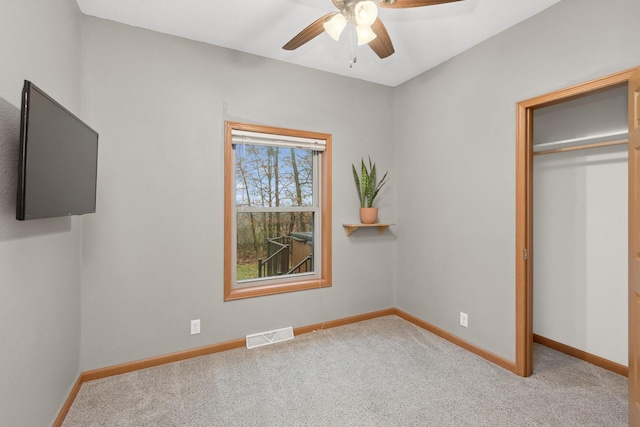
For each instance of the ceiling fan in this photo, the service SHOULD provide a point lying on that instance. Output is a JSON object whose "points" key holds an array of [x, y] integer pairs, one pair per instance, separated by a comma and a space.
{"points": [[363, 16]]}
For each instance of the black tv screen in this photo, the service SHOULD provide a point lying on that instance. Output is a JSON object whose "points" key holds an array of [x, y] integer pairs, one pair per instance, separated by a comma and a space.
{"points": [[58, 159]]}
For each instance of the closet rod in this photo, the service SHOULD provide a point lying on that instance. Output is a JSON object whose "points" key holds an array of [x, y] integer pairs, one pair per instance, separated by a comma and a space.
{"points": [[582, 147]]}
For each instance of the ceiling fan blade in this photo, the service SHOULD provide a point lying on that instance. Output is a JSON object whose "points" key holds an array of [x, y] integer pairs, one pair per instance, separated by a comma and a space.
{"points": [[308, 33], [381, 45], [399, 4]]}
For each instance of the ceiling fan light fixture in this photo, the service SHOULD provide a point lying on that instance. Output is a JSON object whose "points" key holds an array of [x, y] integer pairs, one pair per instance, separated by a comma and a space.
{"points": [[366, 13], [365, 34], [334, 25]]}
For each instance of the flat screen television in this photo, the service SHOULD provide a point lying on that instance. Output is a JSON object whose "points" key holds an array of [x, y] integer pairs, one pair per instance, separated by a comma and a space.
{"points": [[58, 159]]}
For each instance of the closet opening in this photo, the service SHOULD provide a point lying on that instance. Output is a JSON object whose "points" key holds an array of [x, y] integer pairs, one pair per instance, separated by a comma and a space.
{"points": [[580, 204], [565, 153]]}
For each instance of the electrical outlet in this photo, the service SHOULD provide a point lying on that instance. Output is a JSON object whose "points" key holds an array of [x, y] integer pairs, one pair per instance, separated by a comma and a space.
{"points": [[195, 326], [464, 319]]}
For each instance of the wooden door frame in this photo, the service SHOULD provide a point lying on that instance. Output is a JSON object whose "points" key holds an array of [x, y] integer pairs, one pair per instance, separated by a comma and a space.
{"points": [[524, 206]]}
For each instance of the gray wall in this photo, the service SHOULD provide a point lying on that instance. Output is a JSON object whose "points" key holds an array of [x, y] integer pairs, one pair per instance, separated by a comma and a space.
{"points": [[153, 252], [40, 260], [455, 126]]}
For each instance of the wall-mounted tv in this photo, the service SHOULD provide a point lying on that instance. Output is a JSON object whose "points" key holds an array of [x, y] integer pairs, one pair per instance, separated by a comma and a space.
{"points": [[58, 159]]}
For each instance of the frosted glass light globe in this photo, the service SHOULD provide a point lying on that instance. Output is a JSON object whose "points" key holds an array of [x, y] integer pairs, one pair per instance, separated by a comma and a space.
{"points": [[334, 25], [365, 34], [366, 13]]}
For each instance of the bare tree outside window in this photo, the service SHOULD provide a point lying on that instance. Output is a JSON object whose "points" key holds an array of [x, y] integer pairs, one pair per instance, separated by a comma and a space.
{"points": [[271, 243]]}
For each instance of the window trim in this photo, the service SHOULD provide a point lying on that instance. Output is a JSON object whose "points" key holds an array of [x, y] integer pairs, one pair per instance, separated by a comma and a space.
{"points": [[324, 279]]}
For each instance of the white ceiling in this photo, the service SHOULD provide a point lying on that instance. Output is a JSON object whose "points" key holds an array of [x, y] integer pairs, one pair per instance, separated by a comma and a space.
{"points": [[422, 37]]}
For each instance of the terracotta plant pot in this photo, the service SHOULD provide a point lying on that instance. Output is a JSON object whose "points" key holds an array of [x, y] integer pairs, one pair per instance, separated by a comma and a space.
{"points": [[368, 215]]}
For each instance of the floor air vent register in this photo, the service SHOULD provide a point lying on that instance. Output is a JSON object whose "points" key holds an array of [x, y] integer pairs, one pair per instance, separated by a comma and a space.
{"points": [[270, 337]]}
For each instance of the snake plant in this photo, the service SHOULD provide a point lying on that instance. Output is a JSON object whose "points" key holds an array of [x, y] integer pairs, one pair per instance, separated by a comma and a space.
{"points": [[367, 184]]}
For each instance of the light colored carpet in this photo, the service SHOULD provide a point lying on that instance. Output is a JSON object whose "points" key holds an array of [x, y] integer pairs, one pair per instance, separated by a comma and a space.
{"points": [[381, 372]]}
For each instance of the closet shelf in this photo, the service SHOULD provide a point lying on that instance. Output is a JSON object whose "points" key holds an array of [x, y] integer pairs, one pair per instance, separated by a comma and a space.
{"points": [[581, 147], [588, 139]]}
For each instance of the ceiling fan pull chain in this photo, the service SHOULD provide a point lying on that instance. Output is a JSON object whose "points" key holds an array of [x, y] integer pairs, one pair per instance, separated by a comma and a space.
{"points": [[354, 46]]}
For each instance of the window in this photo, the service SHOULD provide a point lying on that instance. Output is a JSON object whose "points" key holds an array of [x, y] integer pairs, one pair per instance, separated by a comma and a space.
{"points": [[277, 214]]}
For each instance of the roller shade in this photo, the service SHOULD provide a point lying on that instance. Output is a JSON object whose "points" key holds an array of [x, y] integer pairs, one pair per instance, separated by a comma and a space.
{"points": [[257, 138]]}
